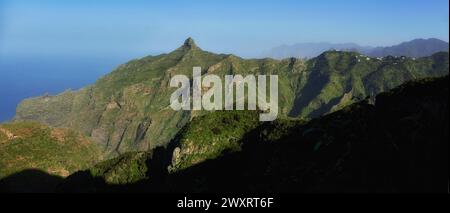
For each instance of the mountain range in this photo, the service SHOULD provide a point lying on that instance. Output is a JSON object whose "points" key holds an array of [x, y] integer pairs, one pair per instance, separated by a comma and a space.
{"points": [[415, 48], [135, 136], [128, 109]]}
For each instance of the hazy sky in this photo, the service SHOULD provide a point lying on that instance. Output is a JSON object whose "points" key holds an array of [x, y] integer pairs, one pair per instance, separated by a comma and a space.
{"points": [[137, 28]]}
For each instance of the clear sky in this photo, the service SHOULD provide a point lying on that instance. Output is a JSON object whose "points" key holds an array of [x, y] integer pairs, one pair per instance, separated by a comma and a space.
{"points": [[246, 28]]}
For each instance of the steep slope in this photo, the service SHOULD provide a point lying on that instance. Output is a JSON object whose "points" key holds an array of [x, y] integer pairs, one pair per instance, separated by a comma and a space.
{"points": [[128, 109], [206, 137], [29, 145], [127, 106], [198, 142], [337, 79], [399, 144]]}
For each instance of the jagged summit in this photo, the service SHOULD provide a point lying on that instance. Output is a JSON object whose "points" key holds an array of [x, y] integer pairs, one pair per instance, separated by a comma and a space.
{"points": [[189, 43]]}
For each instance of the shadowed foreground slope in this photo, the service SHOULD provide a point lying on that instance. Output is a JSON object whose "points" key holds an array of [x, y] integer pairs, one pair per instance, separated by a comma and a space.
{"points": [[398, 144], [30, 145]]}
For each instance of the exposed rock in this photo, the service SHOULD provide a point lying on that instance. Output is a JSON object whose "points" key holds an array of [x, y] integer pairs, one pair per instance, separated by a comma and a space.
{"points": [[113, 105]]}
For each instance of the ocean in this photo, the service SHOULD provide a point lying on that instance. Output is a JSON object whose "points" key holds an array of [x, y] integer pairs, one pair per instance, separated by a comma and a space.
{"points": [[25, 77]]}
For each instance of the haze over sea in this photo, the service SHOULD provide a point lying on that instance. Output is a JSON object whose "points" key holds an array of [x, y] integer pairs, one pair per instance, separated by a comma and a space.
{"points": [[24, 77]]}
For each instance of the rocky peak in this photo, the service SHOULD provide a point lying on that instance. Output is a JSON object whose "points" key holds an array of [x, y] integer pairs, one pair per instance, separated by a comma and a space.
{"points": [[189, 43]]}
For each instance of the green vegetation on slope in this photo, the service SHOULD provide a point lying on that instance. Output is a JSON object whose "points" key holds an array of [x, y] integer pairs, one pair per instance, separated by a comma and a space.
{"points": [[399, 144], [128, 109], [206, 137], [210, 136], [127, 168], [388, 146], [338, 79], [29, 145]]}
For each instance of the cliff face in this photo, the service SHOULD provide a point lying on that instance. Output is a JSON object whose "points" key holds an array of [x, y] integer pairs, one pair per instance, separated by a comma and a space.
{"points": [[128, 109]]}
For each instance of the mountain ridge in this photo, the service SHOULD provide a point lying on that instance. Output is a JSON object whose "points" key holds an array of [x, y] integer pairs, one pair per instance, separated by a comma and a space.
{"points": [[127, 109], [414, 48]]}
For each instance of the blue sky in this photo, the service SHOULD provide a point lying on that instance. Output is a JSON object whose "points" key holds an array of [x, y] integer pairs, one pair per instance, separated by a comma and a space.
{"points": [[137, 28]]}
